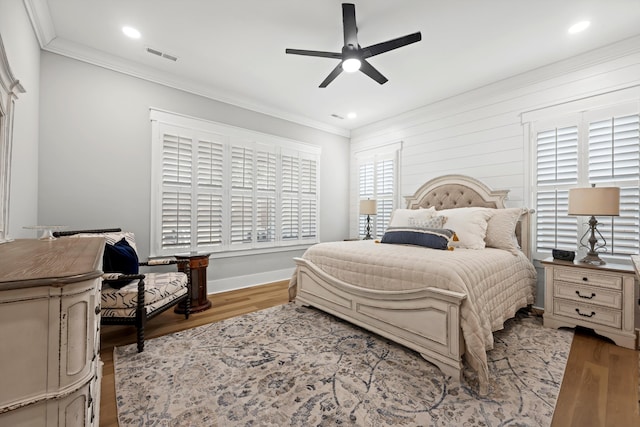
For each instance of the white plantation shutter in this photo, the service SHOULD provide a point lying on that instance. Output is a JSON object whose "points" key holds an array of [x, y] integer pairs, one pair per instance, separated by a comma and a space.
{"points": [[377, 180], [556, 172], [210, 175], [385, 185], [290, 218], [241, 195], [308, 198], [290, 197], [601, 148], [241, 219], [176, 190], [614, 160], [266, 195], [220, 188], [209, 220]]}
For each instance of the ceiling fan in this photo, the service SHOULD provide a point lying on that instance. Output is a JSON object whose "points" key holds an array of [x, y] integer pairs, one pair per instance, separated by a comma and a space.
{"points": [[353, 56]]}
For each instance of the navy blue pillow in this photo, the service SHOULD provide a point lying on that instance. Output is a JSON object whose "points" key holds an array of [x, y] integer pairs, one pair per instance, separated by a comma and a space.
{"points": [[120, 258], [427, 237]]}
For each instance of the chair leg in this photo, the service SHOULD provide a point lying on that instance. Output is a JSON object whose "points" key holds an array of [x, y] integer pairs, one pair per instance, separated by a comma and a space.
{"points": [[187, 307], [140, 336], [140, 316]]}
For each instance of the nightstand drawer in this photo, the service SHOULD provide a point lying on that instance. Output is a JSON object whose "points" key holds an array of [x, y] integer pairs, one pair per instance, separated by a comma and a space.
{"points": [[588, 313], [587, 294], [588, 277]]}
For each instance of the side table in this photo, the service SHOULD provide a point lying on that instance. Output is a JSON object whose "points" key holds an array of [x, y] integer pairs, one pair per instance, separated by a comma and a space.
{"points": [[198, 264], [595, 297]]}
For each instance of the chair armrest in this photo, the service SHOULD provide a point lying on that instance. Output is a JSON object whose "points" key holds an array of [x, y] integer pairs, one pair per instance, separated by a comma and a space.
{"points": [[164, 261], [120, 277]]}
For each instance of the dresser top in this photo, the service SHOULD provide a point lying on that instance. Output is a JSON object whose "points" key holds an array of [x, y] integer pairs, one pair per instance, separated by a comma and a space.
{"points": [[30, 262]]}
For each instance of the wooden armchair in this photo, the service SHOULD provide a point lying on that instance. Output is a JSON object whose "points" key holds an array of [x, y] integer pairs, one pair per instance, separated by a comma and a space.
{"points": [[132, 299]]}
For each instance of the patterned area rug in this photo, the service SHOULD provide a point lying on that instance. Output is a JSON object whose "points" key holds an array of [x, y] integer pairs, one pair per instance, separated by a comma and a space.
{"points": [[297, 366]]}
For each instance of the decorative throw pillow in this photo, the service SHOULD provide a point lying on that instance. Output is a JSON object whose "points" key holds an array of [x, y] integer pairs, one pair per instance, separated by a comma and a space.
{"points": [[469, 224], [427, 237], [433, 222], [411, 217], [501, 229], [120, 258]]}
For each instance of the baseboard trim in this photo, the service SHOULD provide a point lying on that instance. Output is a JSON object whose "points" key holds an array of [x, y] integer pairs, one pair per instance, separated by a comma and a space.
{"points": [[240, 282]]}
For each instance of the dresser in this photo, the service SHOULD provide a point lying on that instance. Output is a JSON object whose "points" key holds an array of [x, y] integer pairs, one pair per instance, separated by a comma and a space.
{"points": [[50, 367], [596, 297]]}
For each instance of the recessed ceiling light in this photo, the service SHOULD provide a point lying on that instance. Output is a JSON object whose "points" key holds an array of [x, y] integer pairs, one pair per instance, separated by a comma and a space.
{"points": [[578, 27], [352, 115], [131, 32]]}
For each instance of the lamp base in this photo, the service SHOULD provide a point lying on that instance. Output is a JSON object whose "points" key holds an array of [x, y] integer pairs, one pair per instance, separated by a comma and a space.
{"points": [[593, 259], [368, 229]]}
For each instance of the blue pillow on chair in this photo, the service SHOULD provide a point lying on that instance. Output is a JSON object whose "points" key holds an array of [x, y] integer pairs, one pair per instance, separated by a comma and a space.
{"points": [[120, 258]]}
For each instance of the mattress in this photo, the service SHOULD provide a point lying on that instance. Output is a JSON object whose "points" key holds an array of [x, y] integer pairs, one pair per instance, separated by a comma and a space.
{"points": [[497, 282]]}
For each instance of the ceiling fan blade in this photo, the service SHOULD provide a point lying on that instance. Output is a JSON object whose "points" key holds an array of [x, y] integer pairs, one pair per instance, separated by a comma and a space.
{"points": [[331, 77], [368, 69], [349, 24], [314, 53], [383, 47]]}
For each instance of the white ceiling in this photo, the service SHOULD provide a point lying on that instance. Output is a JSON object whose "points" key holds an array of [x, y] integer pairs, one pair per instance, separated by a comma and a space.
{"points": [[234, 50]]}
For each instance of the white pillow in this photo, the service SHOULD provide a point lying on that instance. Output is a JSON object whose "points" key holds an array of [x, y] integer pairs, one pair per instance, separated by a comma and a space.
{"points": [[470, 225], [411, 217], [501, 229]]}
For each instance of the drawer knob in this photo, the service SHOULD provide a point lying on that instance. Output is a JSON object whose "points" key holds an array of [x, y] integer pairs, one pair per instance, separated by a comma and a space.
{"points": [[585, 296], [97, 309], [585, 279], [593, 313]]}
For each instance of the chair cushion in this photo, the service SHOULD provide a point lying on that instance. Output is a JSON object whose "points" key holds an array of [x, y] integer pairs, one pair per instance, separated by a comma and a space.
{"points": [[160, 289], [120, 258]]}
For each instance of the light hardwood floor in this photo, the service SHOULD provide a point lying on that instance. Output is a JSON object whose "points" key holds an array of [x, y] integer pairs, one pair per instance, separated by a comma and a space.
{"points": [[600, 386]]}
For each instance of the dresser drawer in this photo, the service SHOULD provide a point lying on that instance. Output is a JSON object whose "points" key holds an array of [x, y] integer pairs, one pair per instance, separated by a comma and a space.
{"points": [[587, 313], [588, 277], [587, 294]]}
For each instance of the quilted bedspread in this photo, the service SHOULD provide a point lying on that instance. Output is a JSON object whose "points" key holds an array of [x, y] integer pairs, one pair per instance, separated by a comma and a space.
{"points": [[497, 283]]}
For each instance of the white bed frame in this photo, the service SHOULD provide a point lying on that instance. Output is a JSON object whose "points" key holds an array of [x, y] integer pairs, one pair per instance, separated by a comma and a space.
{"points": [[426, 320]]}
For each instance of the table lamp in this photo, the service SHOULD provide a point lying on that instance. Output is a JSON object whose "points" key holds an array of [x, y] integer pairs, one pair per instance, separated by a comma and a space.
{"points": [[594, 201], [368, 207]]}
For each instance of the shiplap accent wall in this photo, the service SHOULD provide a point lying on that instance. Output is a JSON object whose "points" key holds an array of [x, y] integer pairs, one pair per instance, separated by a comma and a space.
{"points": [[480, 133]]}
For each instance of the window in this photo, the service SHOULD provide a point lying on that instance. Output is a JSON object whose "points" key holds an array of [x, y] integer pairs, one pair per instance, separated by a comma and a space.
{"points": [[600, 147], [377, 179], [220, 188]]}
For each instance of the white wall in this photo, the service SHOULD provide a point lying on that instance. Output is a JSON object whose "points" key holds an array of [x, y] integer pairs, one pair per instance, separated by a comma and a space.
{"points": [[95, 148], [23, 52], [480, 133]]}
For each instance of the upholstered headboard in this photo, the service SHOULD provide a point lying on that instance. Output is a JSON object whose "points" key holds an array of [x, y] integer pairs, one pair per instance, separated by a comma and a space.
{"points": [[459, 191]]}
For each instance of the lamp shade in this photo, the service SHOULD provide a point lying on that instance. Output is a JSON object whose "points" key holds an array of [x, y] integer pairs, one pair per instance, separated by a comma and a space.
{"points": [[368, 207], [594, 201]]}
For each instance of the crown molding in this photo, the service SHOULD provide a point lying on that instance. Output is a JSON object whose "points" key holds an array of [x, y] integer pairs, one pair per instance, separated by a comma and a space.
{"points": [[40, 17]]}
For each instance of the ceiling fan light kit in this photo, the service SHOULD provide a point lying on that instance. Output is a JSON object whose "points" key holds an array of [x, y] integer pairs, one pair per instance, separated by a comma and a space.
{"points": [[353, 56], [351, 65]]}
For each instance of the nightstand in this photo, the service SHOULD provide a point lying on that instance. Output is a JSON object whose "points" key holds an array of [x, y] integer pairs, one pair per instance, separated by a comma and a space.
{"points": [[596, 297]]}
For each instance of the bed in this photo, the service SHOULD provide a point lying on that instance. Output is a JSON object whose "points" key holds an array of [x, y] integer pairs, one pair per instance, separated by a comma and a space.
{"points": [[444, 304]]}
